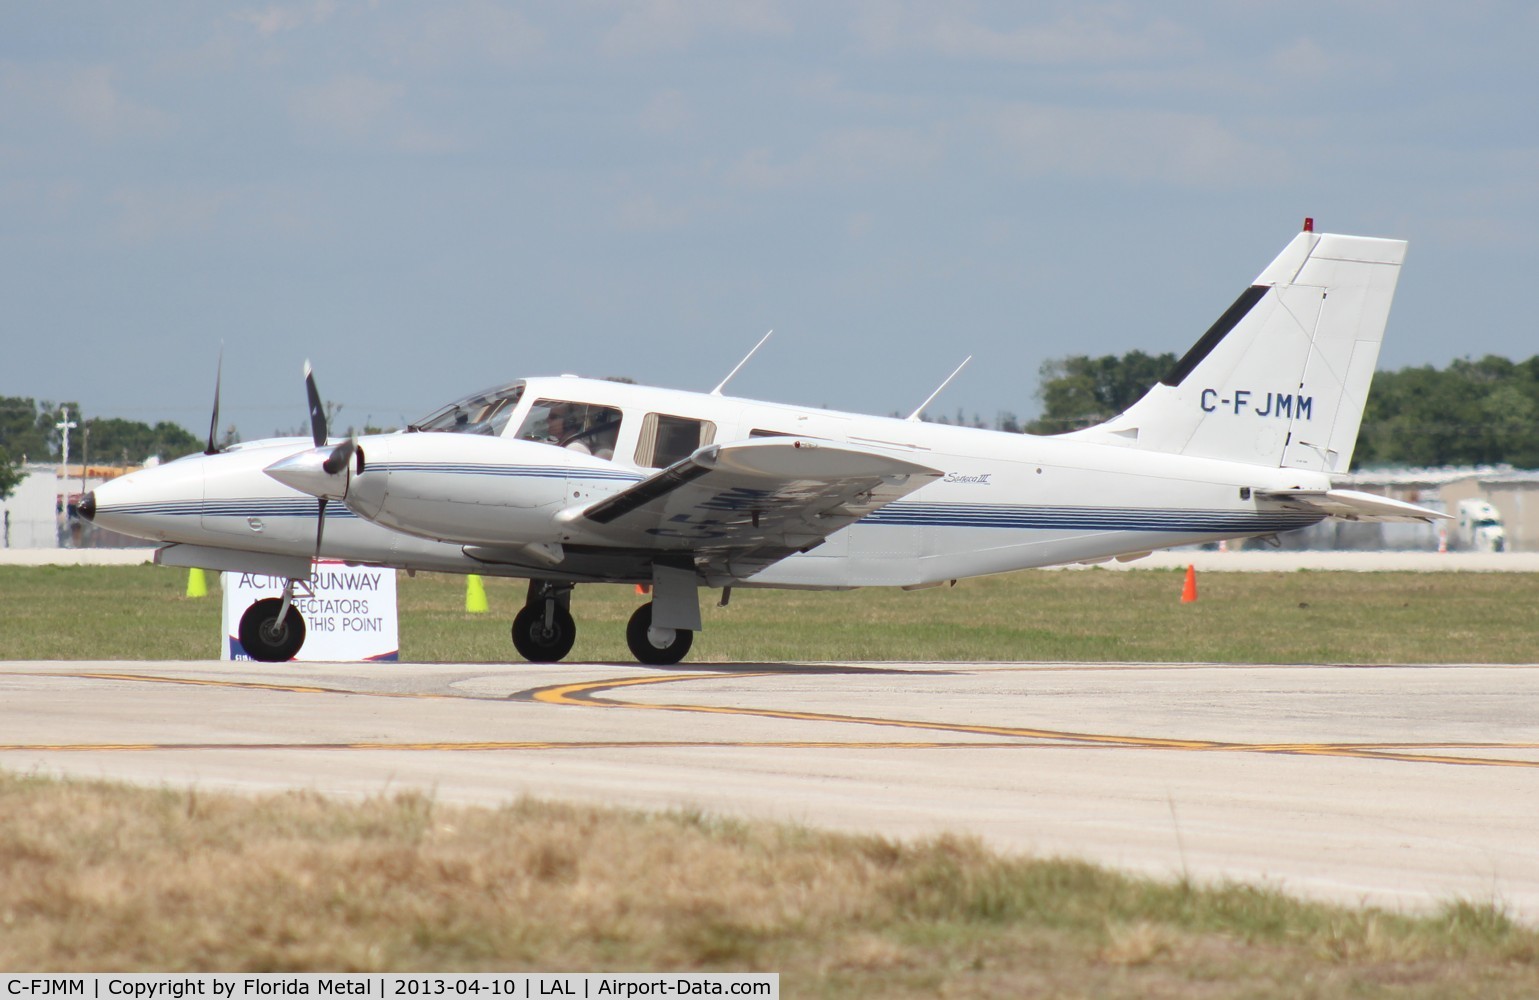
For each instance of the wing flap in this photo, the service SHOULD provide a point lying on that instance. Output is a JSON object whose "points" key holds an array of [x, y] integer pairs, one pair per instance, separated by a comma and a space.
{"points": [[1352, 505], [740, 507]]}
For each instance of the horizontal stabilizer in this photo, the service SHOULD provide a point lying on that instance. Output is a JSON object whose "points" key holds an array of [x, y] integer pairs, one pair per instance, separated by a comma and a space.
{"points": [[1352, 505]]}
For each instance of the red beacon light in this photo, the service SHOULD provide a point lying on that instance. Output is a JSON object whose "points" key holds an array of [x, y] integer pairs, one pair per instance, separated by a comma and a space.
{"points": [[1309, 224]]}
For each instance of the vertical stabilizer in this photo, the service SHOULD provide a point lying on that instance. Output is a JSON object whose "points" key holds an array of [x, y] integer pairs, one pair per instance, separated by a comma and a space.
{"points": [[1282, 377]]}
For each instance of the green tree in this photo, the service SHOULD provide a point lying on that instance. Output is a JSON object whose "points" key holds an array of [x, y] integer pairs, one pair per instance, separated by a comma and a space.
{"points": [[1078, 391], [115, 440], [28, 431], [27, 428], [1474, 412], [10, 473]]}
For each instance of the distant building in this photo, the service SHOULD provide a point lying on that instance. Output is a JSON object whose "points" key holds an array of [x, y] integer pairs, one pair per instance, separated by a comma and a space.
{"points": [[37, 513], [30, 513], [1513, 492]]}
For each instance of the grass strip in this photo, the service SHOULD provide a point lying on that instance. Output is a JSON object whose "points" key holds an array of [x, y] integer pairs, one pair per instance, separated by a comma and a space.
{"points": [[1095, 615]]}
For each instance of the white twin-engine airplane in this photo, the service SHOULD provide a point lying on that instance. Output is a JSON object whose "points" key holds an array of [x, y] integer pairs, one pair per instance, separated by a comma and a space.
{"points": [[567, 480]]}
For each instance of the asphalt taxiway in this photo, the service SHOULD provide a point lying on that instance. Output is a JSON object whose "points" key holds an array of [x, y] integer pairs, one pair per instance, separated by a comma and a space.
{"points": [[1403, 786]]}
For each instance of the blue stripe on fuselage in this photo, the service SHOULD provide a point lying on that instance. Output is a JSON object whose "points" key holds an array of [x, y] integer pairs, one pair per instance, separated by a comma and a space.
{"points": [[948, 515]]}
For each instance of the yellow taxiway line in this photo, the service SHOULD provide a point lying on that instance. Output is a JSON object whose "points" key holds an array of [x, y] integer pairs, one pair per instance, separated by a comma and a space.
{"points": [[587, 694]]}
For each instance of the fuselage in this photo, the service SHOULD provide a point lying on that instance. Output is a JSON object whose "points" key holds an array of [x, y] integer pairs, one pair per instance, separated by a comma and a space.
{"points": [[482, 486]]}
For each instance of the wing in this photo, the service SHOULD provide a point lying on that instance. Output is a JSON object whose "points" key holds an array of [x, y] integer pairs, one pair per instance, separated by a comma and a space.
{"points": [[1351, 505], [741, 507]]}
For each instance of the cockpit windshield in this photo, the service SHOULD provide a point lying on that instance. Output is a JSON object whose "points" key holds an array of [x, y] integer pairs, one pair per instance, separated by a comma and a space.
{"points": [[484, 412]]}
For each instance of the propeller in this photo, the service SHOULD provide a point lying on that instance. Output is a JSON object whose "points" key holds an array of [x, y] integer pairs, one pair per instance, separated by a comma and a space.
{"points": [[340, 460], [317, 471], [341, 456], [213, 424]]}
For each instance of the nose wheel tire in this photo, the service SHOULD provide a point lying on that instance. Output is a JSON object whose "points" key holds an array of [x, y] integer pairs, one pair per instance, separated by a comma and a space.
{"points": [[267, 639], [541, 643], [657, 646]]}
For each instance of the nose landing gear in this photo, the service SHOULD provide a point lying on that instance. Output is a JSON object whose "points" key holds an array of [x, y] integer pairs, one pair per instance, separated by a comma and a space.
{"points": [[272, 630]]}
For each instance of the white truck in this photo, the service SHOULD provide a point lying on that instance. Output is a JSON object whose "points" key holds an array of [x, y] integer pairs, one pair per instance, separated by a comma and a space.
{"points": [[1479, 527]]}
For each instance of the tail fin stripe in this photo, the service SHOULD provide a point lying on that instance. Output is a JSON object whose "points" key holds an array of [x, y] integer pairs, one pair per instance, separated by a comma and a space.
{"points": [[1216, 333]]}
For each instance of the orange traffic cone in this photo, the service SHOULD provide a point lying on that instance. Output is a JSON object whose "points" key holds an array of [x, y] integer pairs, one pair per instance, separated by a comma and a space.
{"points": [[1189, 589]]}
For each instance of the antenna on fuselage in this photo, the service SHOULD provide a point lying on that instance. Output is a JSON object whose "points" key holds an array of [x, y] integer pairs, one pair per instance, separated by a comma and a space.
{"points": [[723, 383], [931, 397]]}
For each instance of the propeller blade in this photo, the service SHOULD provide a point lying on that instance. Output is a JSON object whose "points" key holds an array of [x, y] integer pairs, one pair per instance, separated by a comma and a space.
{"points": [[317, 411], [213, 425], [340, 456], [320, 527]]}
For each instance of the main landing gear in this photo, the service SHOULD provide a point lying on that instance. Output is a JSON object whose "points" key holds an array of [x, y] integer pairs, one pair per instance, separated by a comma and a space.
{"points": [[657, 646], [543, 630]]}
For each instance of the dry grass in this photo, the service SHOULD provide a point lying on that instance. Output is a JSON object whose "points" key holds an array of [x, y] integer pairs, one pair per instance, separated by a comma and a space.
{"points": [[96, 877]]}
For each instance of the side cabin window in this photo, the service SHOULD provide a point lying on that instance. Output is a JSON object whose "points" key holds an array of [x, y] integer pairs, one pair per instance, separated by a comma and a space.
{"points": [[586, 428], [665, 439]]}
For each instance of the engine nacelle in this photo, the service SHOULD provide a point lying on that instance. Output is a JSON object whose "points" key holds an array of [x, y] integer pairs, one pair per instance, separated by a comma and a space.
{"points": [[461, 488]]}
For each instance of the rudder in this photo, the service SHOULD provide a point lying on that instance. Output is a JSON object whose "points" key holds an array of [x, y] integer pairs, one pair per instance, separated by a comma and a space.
{"points": [[1281, 378]]}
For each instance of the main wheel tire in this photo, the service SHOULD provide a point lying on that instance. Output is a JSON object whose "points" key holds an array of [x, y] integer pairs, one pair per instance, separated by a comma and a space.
{"points": [[265, 638], [638, 638], [539, 644]]}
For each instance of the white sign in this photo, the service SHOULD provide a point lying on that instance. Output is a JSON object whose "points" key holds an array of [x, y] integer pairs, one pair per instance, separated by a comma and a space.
{"points": [[349, 611]]}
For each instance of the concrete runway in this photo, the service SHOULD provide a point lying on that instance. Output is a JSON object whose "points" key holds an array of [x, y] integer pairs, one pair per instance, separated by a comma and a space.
{"points": [[1403, 786]]}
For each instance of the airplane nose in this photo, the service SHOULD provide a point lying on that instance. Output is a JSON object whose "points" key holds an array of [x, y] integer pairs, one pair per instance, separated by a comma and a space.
{"points": [[87, 506]]}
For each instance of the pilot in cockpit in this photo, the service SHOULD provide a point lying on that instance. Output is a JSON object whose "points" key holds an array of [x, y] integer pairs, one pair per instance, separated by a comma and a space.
{"points": [[561, 428], [579, 427]]}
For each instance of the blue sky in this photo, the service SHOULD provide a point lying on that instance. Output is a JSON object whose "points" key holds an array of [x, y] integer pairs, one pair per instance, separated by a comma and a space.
{"points": [[426, 199]]}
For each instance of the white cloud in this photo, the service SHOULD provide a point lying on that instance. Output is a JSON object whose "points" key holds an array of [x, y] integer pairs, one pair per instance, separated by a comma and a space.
{"points": [[859, 225], [364, 109], [84, 97], [423, 36], [666, 112], [1179, 148], [277, 19], [1094, 34], [675, 25], [352, 105], [52, 198], [439, 36], [845, 156], [648, 213], [148, 215]]}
